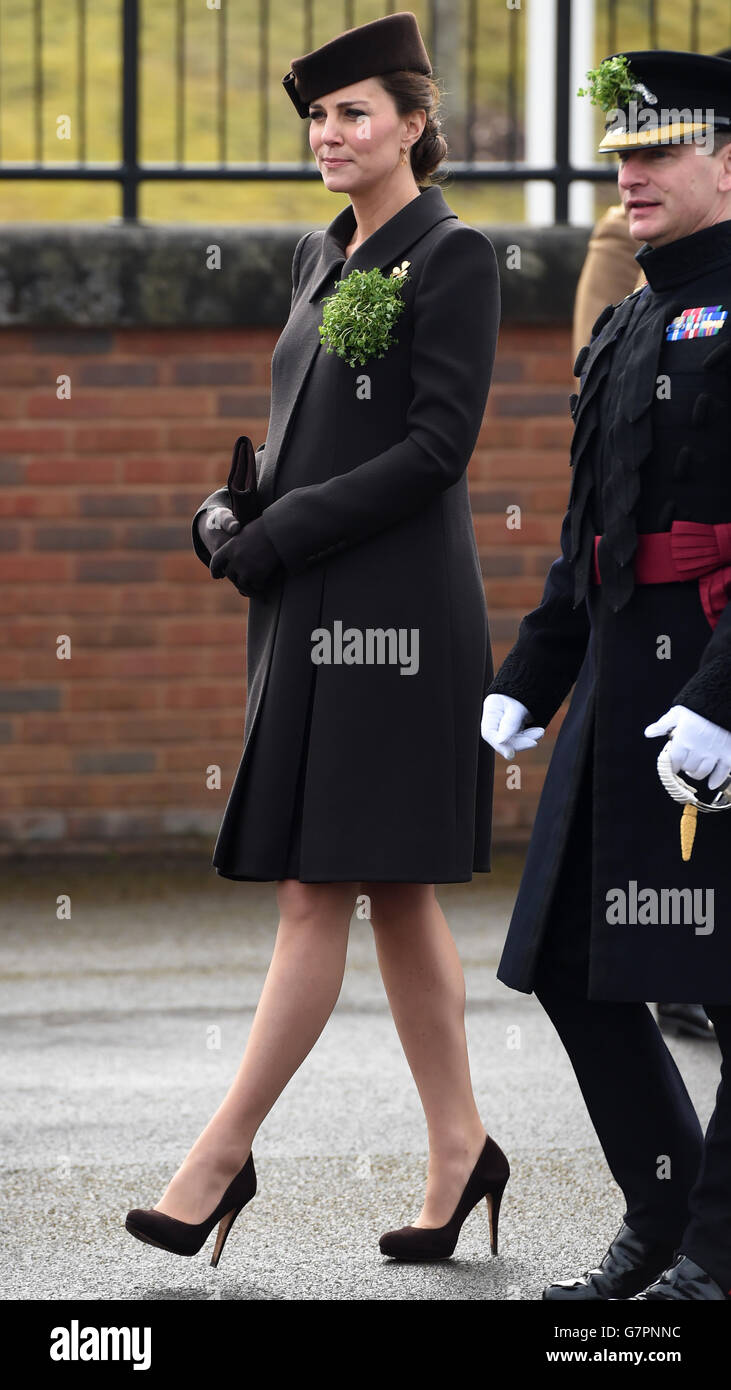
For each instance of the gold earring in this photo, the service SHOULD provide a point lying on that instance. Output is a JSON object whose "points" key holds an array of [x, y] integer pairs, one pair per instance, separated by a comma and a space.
{"points": [[404, 149]]}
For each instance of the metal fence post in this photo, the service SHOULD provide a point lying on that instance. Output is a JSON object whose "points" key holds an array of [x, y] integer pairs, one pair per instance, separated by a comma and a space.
{"points": [[130, 89], [563, 103]]}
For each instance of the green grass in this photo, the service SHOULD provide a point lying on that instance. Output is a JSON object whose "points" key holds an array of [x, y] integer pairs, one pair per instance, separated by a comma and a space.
{"points": [[240, 201]]}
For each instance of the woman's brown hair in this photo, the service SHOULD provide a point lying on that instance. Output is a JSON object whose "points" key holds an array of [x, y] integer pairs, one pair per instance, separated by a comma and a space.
{"points": [[412, 91]]}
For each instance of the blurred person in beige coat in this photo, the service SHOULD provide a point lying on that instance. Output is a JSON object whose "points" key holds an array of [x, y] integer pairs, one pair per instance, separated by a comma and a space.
{"points": [[609, 272]]}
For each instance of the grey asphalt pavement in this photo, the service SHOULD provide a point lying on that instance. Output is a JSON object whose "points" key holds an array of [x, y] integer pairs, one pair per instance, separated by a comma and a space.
{"points": [[122, 1028]]}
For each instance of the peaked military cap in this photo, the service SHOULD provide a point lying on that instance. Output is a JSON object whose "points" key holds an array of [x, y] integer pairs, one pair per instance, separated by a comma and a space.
{"points": [[661, 97]]}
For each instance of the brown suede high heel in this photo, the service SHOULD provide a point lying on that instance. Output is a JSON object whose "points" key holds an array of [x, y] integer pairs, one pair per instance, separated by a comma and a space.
{"points": [[487, 1179], [185, 1237]]}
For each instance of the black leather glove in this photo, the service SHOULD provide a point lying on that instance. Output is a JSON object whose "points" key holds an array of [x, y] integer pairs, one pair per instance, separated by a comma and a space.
{"points": [[248, 559]]}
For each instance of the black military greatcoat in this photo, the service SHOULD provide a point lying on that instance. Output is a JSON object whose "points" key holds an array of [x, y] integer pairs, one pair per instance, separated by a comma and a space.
{"points": [[364, 487], [651, 446]]}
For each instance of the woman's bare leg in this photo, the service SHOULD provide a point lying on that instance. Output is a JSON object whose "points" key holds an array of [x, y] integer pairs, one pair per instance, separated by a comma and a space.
{"points": [[423, 978], [299, 994]]}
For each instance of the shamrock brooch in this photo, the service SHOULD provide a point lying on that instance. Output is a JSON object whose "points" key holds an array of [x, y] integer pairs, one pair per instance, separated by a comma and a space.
{"points": [[357, 319]]}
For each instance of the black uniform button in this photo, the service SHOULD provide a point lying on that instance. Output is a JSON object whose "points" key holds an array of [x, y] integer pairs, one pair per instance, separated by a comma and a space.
{"points": [[603, 318], [667, 513], [681, 467], [581, 357], [573, 402], [702, 409], [718, 354]]}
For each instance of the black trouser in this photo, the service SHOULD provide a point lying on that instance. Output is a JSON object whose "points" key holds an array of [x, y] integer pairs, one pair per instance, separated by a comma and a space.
{"points": [[677, 1186]]}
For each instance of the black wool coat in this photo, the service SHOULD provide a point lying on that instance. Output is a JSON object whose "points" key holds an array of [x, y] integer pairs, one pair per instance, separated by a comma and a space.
{"points": [[364, 488], [650, 446]]}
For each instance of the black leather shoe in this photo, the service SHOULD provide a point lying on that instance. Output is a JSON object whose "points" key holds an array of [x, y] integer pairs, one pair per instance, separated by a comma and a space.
{"points": [[689, 1020], [628, 1266], [684, 1280]]}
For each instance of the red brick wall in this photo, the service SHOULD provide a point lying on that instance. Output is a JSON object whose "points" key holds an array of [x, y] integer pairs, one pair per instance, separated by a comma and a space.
{"points": [[522, 457], [97, 491]]}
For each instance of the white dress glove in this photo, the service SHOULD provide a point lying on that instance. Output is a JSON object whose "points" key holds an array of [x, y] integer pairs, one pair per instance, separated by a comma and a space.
{"points": [[503, 719], [697, 746]]}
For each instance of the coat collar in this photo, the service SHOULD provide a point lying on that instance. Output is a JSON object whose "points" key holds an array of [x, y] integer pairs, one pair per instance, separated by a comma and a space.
{"points": [[687, 258], [381, 249], [384, 245]]}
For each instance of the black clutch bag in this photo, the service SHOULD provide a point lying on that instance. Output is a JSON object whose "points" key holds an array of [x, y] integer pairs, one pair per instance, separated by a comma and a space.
{"points": [[241, 484]]}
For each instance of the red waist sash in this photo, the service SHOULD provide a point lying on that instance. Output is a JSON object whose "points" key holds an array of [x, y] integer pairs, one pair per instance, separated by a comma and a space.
{"points": [[689, 550]]}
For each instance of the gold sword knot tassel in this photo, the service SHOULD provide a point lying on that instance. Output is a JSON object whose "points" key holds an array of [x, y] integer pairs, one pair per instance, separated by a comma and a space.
{"points": [[688, 822]]}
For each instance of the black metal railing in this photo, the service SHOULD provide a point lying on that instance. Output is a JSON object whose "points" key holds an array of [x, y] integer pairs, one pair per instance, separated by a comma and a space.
{"points": [[483, 126]]}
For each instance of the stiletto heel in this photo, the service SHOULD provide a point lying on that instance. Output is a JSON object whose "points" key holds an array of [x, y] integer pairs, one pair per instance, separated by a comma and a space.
{"points": [[487, 1179], [223, 1230], [492, 1201], [185, 1237]]}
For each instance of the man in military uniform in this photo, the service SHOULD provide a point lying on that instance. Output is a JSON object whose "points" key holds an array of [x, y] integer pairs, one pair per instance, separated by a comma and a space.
{"points": [[610, 912]]}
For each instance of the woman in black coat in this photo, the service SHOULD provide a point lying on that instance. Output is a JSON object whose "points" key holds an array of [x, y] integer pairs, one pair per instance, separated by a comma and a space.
{"points": [[363, 775]]}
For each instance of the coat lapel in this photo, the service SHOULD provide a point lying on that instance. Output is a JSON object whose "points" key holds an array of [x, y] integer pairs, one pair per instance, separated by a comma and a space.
{"points": [[382, 246], [382, 249]]}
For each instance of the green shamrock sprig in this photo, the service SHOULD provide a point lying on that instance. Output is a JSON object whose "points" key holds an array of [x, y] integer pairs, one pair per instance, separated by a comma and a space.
{"points": [[357, 319], [612, 84]]}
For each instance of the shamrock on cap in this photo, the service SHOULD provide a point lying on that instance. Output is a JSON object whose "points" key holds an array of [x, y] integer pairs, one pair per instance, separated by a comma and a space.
{"points": [[614, 84]]}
